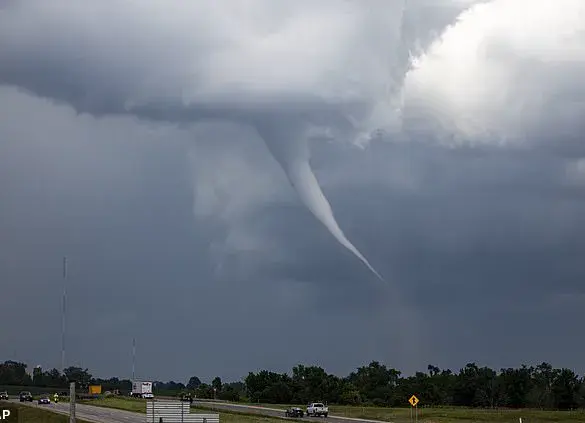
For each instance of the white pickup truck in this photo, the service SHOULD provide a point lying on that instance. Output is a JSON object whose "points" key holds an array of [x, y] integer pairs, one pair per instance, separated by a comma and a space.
{"points": [[316, 409]]}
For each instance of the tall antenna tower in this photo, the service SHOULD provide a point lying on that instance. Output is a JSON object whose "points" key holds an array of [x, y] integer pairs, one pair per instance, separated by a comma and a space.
{"points": [[63, 311], [133, 359]]}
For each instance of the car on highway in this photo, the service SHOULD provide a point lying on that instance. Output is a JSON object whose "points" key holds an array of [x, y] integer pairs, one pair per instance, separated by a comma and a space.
{"points": [[186, 396], [294, 412], [44, 399], [25, 396], [3, 395], [317, 409]]}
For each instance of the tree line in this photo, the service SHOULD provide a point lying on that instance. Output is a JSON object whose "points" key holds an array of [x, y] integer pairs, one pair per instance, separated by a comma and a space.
{"points": [[541, 386]]}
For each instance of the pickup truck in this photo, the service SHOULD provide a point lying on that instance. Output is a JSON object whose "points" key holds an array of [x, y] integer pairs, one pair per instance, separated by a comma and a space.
{"points": [[316, 409]]}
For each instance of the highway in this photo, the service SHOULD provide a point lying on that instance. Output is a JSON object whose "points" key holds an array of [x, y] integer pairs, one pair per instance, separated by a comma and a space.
{"points": [[275, 412], [91, 413], [109, 415]]}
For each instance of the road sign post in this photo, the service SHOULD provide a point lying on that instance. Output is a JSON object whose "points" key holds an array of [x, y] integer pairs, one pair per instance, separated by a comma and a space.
{"points": [[413, 400]]}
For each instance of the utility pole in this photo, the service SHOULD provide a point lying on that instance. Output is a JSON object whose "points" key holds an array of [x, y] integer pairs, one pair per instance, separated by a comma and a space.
{"points": [[72, 402], [63, 312]]}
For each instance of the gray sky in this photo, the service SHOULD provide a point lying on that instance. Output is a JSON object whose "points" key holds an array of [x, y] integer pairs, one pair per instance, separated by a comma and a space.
{"points": [[459, 175]]}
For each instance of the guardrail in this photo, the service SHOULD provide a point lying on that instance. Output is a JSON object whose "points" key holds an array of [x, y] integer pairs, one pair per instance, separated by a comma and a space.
{"points": [[174, 398], [175, 412]]}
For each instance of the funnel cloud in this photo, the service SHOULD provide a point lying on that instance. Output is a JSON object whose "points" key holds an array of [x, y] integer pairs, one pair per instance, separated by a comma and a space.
{"points": [[268, 66], [292, 154], [146, 140], [451, 71]]}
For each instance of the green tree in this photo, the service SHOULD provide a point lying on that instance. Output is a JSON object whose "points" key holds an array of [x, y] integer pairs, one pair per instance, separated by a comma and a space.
{"points": [[204, 391], [257, 384], [14, 373], [541, 394], [565, 389], [488, 390], [581, 393], [375, 382], [516, 385], [277, 393], [473, 386], [82, 377], [170, 386], [38, 378], [216, 384], [350, 395], [229, 393], [194, 383], [466, 384]]}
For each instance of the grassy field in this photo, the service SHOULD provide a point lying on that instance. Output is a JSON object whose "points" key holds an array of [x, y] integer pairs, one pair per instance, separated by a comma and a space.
{"points": [[27, 414], [452, 414], [121, 403], [396, 415], [445, 415]]}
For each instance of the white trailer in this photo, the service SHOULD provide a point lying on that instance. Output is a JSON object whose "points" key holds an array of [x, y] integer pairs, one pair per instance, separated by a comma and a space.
{"points": [[141, 389]]}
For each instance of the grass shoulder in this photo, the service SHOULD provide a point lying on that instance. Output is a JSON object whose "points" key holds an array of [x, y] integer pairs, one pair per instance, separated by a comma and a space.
{"points": [[28, 414], [446, 414], [395, 415], [135, 405]]}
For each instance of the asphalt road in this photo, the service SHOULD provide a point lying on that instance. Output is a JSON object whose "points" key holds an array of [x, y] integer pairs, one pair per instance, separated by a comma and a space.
{"points": [[276, 412], [92, 413], [109, 415]]}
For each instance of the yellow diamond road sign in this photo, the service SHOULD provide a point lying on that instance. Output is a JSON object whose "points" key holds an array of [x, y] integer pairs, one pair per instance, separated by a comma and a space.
{"points": [[413, 401]]}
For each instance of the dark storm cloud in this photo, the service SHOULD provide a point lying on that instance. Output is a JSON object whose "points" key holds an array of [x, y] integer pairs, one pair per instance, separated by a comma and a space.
{"points": [[480, 250], [283, 85], [481, 242]]}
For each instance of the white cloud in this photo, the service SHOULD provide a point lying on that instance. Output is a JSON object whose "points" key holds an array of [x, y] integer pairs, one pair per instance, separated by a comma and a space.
{"points": [[575, 172], [154, 58], [232, 174], [507, 71]]}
